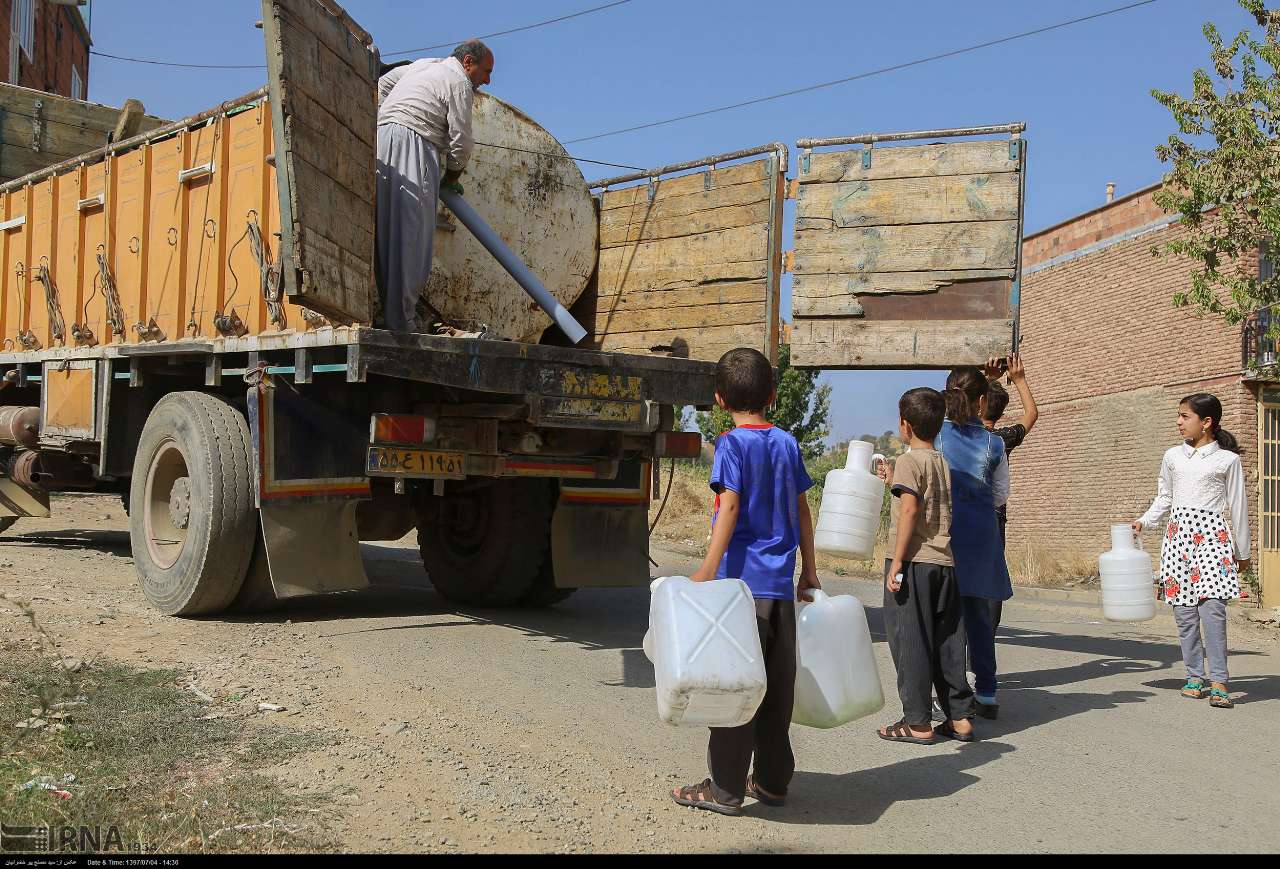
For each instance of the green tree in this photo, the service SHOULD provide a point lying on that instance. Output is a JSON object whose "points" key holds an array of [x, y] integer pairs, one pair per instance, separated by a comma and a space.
{"points": [[802, 408], [1224, 173]]}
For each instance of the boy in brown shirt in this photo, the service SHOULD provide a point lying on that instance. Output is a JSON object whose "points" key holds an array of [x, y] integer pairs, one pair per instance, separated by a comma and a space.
{"points": [[922, 613]]}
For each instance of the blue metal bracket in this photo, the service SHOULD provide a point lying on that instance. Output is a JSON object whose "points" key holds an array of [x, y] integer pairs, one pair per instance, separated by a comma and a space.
{"points": [[1015, 294], [866, 157], [1014, 146], [804, 162]]}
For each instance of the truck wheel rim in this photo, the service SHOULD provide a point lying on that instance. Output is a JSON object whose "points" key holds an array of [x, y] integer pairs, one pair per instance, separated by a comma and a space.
{"points": [[167, 511]]}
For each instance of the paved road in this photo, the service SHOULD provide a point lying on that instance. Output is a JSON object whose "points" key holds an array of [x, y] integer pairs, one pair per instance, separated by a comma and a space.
{"points": [[537, 730]]}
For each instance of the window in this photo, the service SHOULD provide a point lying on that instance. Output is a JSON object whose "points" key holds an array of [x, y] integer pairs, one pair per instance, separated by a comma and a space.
{"points": [[24, 26], [77, 84]]}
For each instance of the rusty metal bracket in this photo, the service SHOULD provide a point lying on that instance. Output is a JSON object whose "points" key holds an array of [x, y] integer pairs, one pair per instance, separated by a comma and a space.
{"points": [[37, 125]]}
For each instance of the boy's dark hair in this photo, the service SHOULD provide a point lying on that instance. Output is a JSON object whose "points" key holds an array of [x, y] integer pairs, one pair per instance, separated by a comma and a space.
{"points": [[997, 401], [924, 408], [744, 379]]}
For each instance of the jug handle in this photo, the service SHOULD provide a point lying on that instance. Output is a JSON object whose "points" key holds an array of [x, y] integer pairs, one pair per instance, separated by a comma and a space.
{"points": [[818, 595]]}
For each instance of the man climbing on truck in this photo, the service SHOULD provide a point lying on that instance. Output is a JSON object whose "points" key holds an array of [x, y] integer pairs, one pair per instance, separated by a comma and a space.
{"points": [[426, 112]]}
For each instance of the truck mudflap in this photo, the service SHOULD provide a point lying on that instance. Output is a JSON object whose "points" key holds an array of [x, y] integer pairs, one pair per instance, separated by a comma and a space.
{"points": [[600, 530], [304, 450], [308, 482], [312, 547]]}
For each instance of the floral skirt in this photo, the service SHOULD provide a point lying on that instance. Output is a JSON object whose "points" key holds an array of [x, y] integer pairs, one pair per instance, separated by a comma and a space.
{"points": [[1197, 559]]}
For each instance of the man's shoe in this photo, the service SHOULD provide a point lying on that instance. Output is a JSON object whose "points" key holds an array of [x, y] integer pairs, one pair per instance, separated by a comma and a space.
{"points": [[938, 715], [986, 710]]}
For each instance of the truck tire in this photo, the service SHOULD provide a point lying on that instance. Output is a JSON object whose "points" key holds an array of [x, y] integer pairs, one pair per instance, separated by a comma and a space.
{"points": [[485, 545], [544, 592], [257, 594], [193, 524]]}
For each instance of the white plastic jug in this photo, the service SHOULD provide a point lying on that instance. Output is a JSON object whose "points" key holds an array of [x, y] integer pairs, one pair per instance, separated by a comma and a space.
{"points": [[837, 680], [1128, 594], [705, 648], [849, 516]]}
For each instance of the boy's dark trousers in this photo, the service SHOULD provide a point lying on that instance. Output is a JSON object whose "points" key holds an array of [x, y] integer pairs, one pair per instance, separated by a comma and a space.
{"points": [[925, 625], [730, 749]]}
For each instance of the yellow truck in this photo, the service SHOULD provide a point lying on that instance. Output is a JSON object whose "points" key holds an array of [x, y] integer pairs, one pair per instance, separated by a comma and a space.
{"points": [[187, 318]]}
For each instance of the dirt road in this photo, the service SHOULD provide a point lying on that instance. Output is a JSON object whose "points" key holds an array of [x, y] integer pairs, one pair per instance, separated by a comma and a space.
{"points": [[536, 730]]}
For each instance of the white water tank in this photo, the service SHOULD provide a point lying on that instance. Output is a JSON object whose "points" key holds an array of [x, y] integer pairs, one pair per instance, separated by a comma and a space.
{"points": [[527, 188], [849, 516], [837, 680], [705, 647], [1128, 593]]}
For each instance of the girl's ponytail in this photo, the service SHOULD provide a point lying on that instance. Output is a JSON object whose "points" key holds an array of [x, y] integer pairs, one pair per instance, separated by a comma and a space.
{"points": [[1204, 405], [1226, 439], [965, 387]]}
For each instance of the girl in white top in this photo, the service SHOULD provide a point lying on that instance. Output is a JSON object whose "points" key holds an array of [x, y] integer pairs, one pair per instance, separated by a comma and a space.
{"points": [[1202, 553]]}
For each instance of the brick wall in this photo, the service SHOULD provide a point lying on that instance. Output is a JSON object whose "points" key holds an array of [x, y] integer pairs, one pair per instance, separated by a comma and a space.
{"points": [[61, 41], [1108, 357]]}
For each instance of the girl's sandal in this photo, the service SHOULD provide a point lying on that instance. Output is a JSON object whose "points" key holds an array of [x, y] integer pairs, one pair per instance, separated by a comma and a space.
{"points": [[1220, 699], [1194, 689], [700, 797]]}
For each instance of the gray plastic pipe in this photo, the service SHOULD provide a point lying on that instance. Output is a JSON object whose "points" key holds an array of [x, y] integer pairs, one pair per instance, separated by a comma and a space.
{"points": [[507, 258]]}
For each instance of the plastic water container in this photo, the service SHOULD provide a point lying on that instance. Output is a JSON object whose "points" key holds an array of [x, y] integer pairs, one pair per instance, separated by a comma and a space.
{"points": [[705, 648], [837, 680], [849, 516], [1128, 594]]}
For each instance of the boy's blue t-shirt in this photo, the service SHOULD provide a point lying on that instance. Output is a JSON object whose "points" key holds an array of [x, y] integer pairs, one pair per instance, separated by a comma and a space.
{"points": [[763, 465]]}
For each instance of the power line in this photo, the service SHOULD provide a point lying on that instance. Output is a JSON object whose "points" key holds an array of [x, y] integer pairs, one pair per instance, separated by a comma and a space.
{"points": [[860, 75], [451, 44], [560, 156], [180, 65]]}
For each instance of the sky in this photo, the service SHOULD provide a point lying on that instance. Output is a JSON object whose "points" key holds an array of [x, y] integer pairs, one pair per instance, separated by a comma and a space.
{"points": [[1083, 91]]}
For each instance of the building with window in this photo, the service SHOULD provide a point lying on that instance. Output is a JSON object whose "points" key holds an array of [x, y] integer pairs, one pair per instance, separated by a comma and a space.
{"points": [[46, 46], [1109, 357]]}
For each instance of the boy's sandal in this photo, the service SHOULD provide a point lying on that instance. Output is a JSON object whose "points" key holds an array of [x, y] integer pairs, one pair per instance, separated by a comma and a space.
{"points": [[754, 791], [1194, 689], [900, 732], [1220, 699], [699, 796], [948, 730]]}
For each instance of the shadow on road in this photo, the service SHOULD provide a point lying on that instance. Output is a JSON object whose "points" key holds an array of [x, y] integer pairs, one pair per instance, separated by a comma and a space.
{"points": [[111, 542], [863, 796]]}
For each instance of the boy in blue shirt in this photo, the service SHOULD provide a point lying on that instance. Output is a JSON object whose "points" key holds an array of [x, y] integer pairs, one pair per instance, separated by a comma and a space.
{"points": [[761, 519]]}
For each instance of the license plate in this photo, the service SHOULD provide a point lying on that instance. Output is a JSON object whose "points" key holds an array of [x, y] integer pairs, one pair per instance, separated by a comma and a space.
{"points": [[401, 462]]}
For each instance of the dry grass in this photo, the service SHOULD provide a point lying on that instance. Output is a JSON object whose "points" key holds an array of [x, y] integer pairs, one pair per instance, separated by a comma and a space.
{"points": [[1036, 566], [686, 524]]}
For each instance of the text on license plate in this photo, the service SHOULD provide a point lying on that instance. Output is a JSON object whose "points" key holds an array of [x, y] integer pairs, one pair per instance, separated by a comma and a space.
{"points": [[421, 463]]}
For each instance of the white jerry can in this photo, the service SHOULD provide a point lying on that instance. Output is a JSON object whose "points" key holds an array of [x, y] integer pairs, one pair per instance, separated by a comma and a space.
{"points": [[837, 680], [1128, 591], [705, 647], [849, 516]]}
